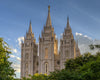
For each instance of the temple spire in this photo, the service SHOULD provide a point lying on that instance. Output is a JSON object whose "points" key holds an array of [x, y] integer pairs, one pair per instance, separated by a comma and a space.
{"points": [[30, 28], [48, 22], [68, 26]]}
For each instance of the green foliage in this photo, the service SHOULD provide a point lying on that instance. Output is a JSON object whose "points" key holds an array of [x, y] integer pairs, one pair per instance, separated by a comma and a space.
{"points": [[97, 46], [63, 75], [85, 67], [91, 46], [6, 71], [74, 64], [36, 77]]}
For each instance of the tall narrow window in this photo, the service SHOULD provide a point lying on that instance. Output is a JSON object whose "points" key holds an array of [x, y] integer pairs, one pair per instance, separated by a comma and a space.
{"points": [[46, 68], [26, 55], [46, 53], [26, 65], [67, 53]]}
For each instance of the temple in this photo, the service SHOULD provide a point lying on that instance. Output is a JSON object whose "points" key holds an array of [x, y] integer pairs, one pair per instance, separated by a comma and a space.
{"points": [[49, 59]]}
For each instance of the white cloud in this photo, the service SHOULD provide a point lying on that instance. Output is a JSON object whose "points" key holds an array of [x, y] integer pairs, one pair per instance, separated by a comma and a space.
{"points": [[87, 36], [84, 41], [95, 42], [16, 63], [9, 39], [13, 56], [14, 50], [18, 70], [16, 67], [78, 33], [61, 34], [18, 58], [20, 39]]}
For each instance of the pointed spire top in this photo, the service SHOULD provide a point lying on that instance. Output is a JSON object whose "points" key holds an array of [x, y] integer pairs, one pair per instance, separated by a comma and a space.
{"points": [[49, 8], [30, 21], [67, 18], [68, 22], [30, 28], [48, 22]]}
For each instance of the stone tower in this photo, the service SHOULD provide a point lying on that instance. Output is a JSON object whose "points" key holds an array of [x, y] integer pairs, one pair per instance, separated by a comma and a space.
{"points": [[68, 47], [48, 48], [77, 50], [48, 59], [29, 57]]}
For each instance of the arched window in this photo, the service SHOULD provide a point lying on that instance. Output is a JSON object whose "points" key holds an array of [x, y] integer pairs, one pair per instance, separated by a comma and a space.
{"points": [[46, 68], [46, 53]]}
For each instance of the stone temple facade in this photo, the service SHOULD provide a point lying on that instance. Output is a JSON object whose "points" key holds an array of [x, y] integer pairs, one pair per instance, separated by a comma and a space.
{"points": [[49, 59]]}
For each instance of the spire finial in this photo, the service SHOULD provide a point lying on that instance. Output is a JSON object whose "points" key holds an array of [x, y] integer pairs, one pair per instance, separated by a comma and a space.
{"points": [[49, 8], [30, 21], [30, 27], [68, 22], [48, 22], [67, 18]]}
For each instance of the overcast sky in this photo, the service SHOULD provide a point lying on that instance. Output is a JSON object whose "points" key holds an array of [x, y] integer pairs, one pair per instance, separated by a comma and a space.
{"points": [[15, 15]]}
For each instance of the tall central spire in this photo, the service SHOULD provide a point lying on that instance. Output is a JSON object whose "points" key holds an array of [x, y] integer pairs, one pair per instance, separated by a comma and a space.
{"points": [[68, 22], [48, 22], [30, 28]]}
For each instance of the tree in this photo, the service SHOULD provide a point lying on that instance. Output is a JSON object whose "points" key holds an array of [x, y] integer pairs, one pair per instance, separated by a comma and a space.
{"points": [[85, 67], [6, 71], [36, 77], [92, 47]]}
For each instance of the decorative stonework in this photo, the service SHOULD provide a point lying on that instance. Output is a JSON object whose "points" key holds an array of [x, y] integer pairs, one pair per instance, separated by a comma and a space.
{"points": [[29, 50], [48, 46], [49, 59], [68, 47]]}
